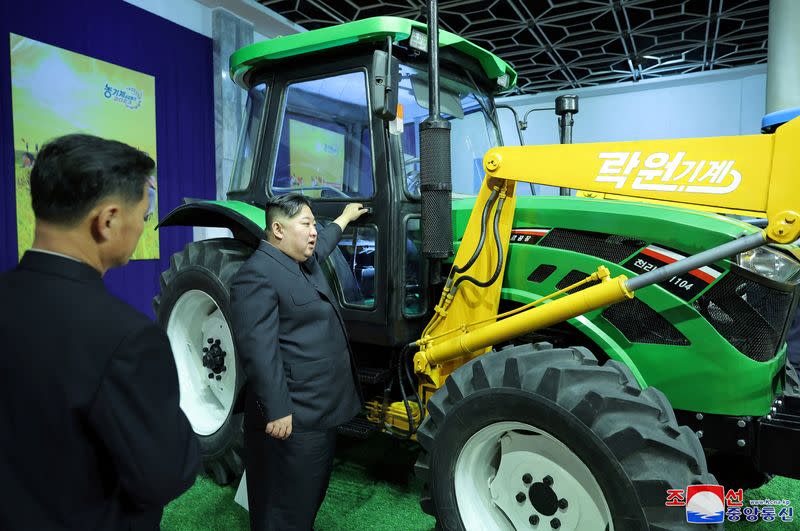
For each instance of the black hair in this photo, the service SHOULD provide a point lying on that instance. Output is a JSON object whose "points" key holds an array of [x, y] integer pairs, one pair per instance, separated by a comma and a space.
{"points": [[72, 173], [288, 205]]}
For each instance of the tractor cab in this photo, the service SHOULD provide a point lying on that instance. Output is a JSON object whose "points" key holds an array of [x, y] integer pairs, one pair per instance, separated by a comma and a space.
{"points": [[341, 125]]}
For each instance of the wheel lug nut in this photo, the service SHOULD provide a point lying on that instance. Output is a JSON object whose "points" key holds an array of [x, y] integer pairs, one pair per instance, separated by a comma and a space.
{"points": [[527, 478], [534, 519], [520, 497], [547, 480], [216, 342], [224, 368], [555, 523], [205, 349], [563, 503], [210, 375], [219, 377], [210, 340]]}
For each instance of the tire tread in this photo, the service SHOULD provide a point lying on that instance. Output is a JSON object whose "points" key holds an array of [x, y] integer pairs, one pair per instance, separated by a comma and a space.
{"points": [[221, 258], [639, 427]]}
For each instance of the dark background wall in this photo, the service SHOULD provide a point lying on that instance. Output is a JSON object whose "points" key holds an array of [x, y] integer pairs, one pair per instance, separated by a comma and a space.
{"points": [[181, 62]]}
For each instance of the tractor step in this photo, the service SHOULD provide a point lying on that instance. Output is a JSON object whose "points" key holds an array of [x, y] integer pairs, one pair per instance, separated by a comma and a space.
{"points": [[373, 375], [359, 428]]}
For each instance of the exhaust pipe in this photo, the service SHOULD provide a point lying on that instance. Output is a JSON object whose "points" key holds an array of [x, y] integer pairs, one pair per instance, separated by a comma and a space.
{"points": [[434, 159], [566, 108]]}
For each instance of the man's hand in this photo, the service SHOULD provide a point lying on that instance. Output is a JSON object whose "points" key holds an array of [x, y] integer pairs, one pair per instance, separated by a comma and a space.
{"points": [[351, 212], [280, 428]]}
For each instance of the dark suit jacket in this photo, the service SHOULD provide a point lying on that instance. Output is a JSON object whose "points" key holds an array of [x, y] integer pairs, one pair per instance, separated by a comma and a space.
{"points": [[292, 340], [91, 435]]}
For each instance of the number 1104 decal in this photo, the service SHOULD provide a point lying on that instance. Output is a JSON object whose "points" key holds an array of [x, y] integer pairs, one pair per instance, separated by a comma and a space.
{"points": [[686, 286], [682, 283]]}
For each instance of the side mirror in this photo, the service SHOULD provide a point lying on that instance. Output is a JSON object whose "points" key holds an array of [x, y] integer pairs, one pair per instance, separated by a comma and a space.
{"points": [[384, 85]]}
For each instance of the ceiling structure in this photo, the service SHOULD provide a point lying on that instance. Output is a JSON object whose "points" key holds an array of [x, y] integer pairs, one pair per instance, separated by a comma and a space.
{"points": [[566, 44]]}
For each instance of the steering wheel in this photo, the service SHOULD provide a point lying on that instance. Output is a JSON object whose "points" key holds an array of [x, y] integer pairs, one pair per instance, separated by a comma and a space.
{"points": [[325, 188]]}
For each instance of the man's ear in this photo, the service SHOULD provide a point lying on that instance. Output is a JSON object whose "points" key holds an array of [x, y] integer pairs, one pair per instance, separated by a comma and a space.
{"points": [[104, 220], [277, 230]]}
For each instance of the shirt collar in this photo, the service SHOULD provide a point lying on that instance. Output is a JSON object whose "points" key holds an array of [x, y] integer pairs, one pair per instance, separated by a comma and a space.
{"points": [[35, 250], [60, 265]]}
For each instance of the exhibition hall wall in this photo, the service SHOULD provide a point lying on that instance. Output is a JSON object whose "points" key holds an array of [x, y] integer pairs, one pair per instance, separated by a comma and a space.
{"points": [[180, 62]]}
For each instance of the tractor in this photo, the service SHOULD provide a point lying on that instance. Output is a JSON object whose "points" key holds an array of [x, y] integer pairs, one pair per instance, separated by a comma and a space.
{"points": [[580, 357]]}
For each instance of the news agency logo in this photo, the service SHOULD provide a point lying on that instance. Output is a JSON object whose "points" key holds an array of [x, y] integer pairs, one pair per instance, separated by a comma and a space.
{"points": [[712, 504], [705, 504]]}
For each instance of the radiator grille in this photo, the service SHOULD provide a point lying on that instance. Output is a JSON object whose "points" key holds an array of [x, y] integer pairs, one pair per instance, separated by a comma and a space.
{"points": [[634, 319], [541, 273], [750, 315], [639, 323], [609, 247]]}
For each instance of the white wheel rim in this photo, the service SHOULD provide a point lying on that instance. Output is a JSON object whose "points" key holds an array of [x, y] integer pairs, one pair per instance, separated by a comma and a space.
{"points": [[206, 401], [490, 473]]}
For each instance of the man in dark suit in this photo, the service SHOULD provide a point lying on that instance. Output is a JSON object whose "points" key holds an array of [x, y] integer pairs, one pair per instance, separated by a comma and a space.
{"points": [[302, 381], [91, 434]]}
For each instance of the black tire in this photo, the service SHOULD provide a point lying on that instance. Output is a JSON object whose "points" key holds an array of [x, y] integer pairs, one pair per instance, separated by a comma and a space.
{"points": [[627, 438], [209, 266]]}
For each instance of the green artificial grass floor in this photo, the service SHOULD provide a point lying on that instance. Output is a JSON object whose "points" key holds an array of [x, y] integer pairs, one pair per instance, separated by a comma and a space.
{"points": [[373, 488]]}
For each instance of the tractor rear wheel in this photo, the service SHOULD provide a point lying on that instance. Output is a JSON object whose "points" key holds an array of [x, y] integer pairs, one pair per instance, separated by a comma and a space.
{"points": [[194, 309], [533, 437]]}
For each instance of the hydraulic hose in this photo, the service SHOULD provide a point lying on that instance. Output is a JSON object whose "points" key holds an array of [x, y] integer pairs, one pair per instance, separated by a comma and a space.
{"points": [[484, 215], [499, 247], [413, 385], [402, 361]]}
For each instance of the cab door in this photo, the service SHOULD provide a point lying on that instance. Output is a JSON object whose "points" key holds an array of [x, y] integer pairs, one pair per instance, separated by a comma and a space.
{"points": [[326, 147]]}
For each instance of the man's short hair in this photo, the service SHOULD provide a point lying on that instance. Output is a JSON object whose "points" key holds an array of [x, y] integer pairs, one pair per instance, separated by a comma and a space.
{"points": [[73, 173], [287, 205]]}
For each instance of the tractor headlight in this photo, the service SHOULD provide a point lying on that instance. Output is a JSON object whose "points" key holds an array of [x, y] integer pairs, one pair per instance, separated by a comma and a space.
{"points": [[771, 264]]}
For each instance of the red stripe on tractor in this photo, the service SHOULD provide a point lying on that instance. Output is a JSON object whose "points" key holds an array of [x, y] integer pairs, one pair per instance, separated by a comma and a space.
{"points": [[708, 279], [529, 232], [658, 256], [702, 276]]}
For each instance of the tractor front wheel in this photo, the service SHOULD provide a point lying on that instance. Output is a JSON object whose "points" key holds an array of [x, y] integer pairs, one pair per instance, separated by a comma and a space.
{"points": [[533, 437], [194, 309]]}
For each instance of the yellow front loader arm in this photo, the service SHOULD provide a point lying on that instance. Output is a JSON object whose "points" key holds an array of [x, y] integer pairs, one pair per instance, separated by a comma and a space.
{"points": [[752, 175]]}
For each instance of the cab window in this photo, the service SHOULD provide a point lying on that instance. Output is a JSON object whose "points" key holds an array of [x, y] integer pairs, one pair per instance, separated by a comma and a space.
{"points": [[325, 148], [248, 139]]}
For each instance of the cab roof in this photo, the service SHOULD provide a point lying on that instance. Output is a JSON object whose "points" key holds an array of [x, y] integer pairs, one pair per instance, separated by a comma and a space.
{"points": [[373, 29]]}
